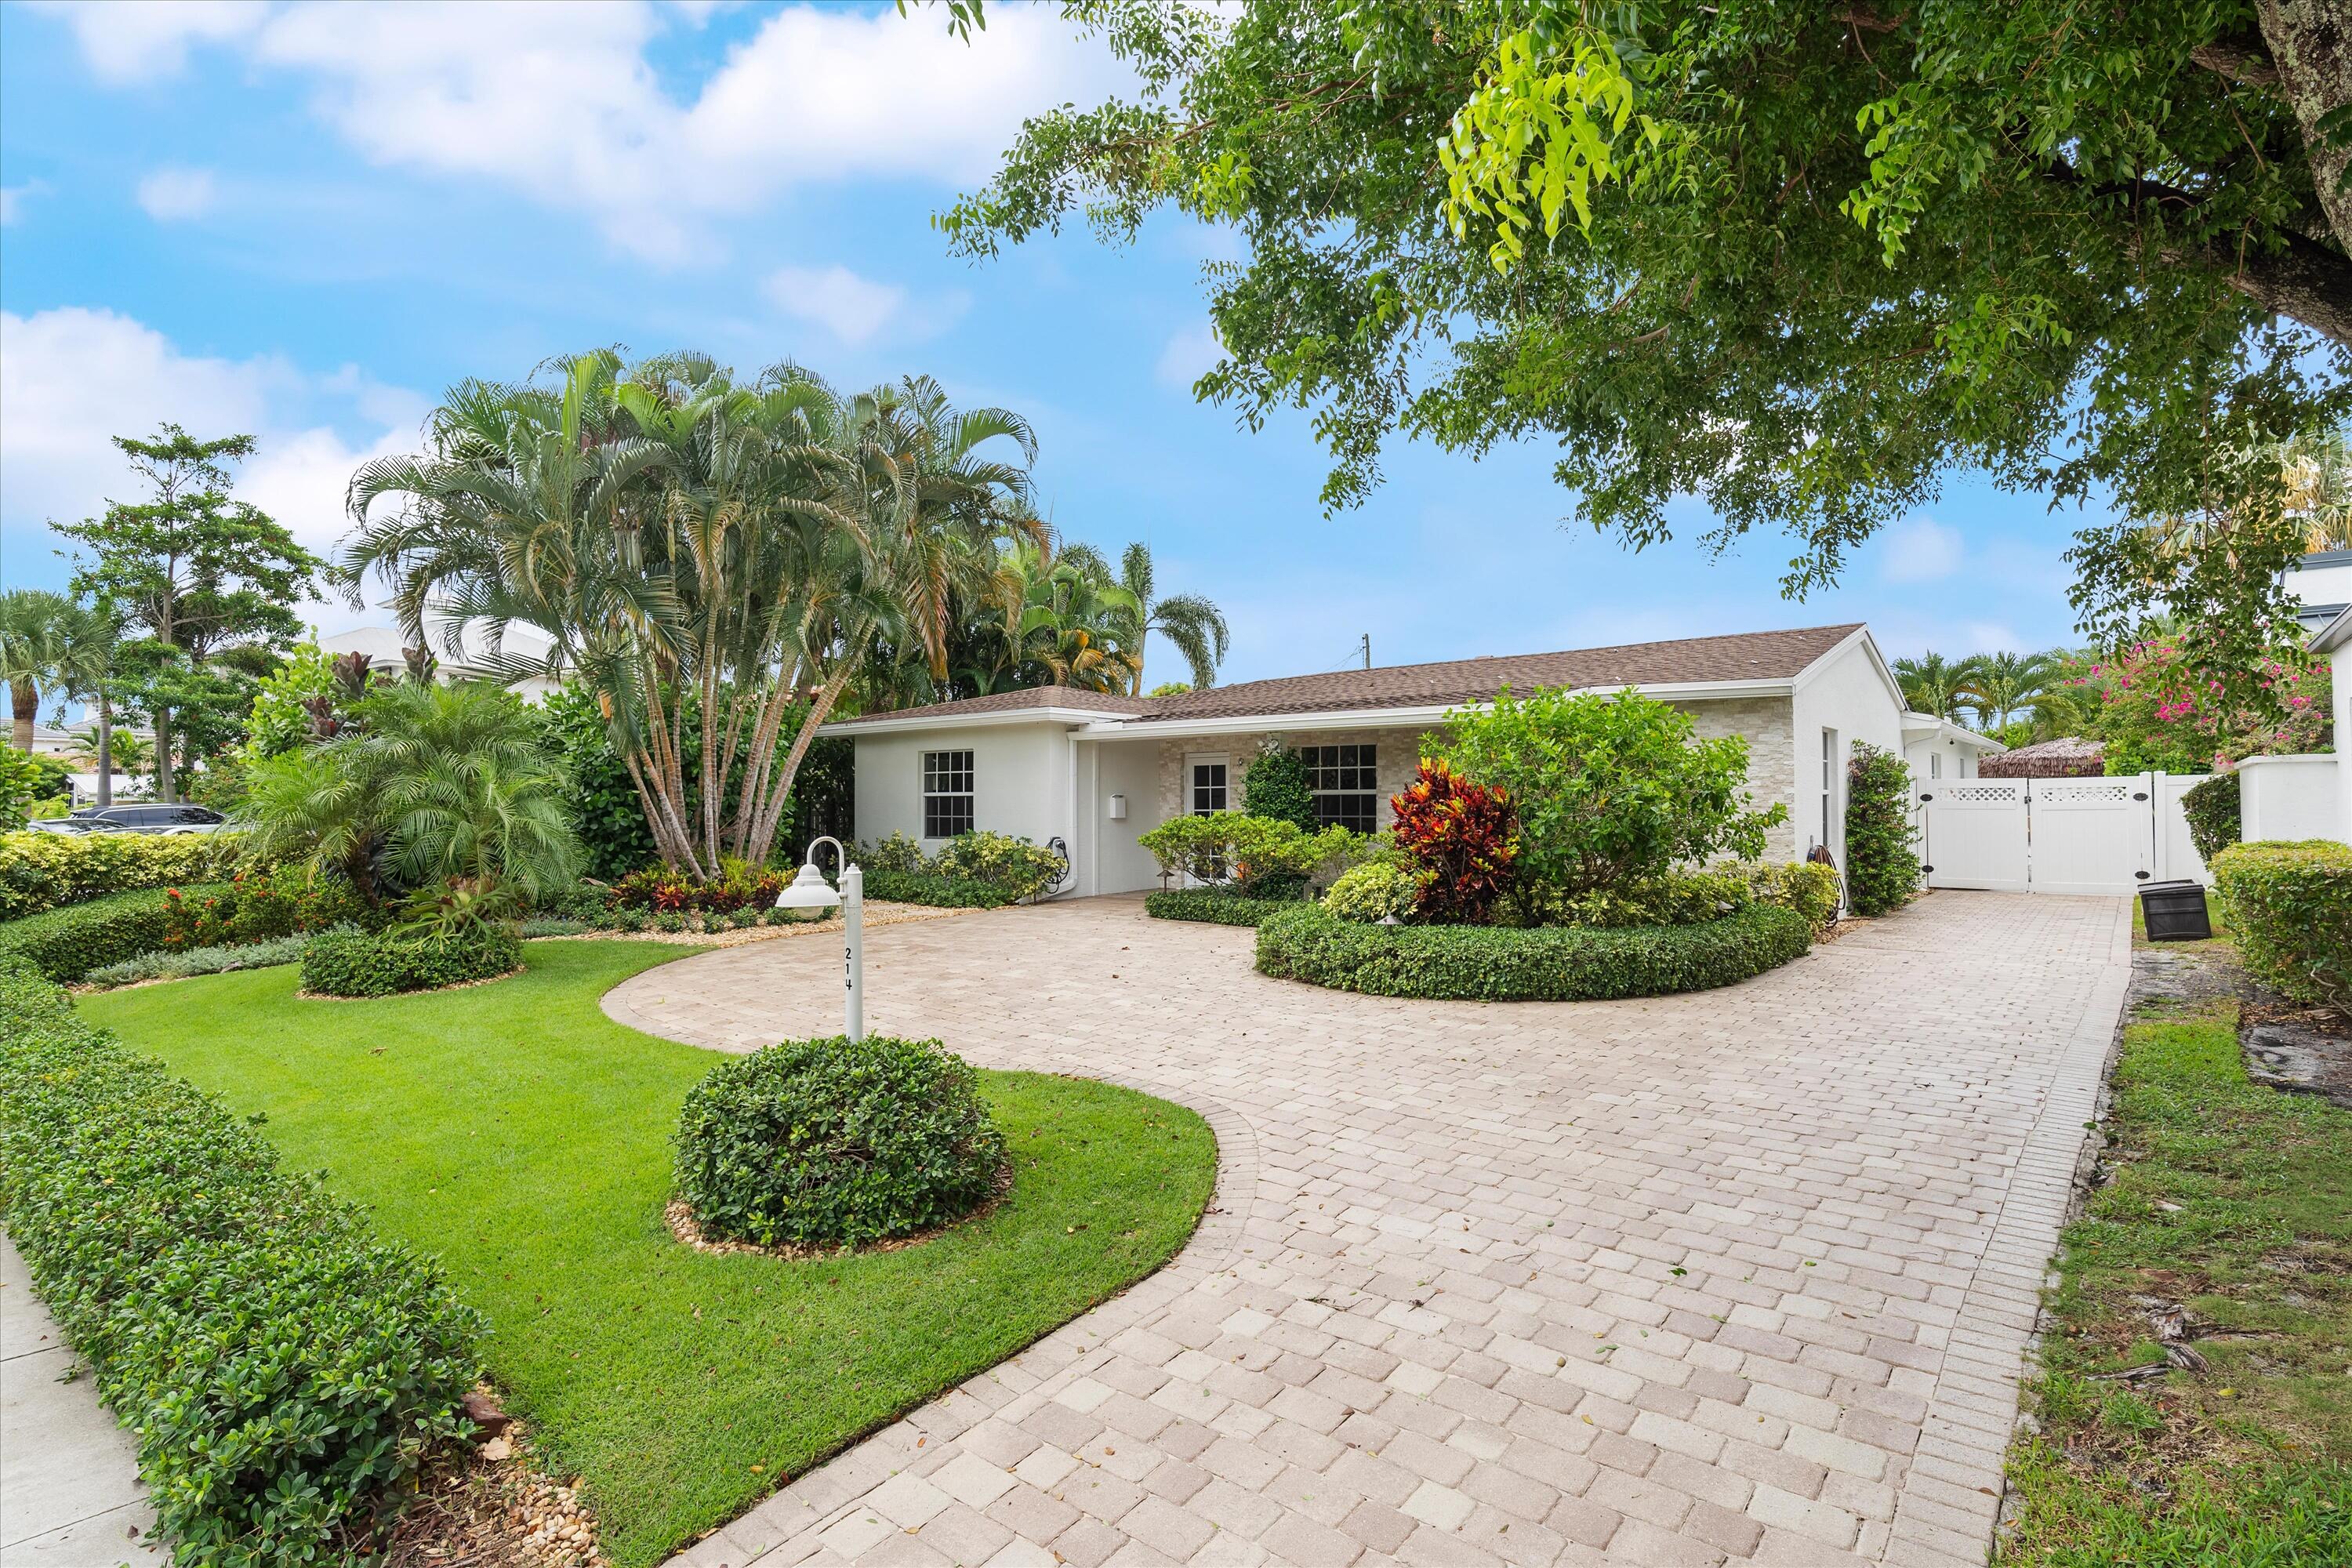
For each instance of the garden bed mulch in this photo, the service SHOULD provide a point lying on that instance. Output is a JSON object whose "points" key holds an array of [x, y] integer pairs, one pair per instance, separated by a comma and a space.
{"points": [[879, 912], [491, 1504]]}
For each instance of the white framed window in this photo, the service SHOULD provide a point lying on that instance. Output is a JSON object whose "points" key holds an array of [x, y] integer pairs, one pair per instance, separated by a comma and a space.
{"points": [[1935, 765], [1345, 781], [1829, 771], [947, 793], [1207, 784]]}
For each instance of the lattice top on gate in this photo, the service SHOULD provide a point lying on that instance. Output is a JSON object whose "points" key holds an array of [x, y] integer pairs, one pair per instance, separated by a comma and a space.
{"points": [[1991, 791], [2083, 792]]}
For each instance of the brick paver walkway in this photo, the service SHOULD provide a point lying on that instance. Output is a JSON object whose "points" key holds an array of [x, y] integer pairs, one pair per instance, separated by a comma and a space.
{"points": [[1742, 1276]]}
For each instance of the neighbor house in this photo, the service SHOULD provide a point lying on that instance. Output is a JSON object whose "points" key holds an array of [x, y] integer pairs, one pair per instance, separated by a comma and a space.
{"points": [[387, 654], [1096, 772]]}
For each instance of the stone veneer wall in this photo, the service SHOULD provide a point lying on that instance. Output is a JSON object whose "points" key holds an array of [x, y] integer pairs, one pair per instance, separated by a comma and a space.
{"points": [[1765, 722]]}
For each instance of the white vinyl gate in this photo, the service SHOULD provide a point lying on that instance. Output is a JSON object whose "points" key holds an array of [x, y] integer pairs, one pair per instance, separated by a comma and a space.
{"points": [[2099, 836]]}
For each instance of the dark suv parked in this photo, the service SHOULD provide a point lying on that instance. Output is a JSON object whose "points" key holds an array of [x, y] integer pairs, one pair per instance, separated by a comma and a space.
{"points": [[182, 818]]}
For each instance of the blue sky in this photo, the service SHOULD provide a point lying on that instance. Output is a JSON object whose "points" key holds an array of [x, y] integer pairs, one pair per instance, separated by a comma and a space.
{"points": [[304, 222]]}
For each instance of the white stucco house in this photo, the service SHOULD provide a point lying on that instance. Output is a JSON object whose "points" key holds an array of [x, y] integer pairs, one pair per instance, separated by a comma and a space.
{"points": [[386, 651], [1097, 771], [1939, 749]]}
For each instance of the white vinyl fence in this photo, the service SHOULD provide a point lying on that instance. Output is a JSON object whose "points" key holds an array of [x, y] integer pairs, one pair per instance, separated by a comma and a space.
{"points": [[2097, 836]]}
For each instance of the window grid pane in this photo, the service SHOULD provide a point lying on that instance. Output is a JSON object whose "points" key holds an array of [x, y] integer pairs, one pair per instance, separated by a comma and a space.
{"points": [[947, 793], [1208, 788], [1345, 781]]}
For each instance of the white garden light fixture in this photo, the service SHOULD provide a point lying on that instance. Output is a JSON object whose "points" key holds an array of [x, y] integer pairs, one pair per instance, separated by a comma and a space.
{"points": [[809, 890]]}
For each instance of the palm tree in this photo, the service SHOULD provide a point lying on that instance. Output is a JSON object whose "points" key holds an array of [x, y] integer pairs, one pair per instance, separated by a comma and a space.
{"points": [[691, 545], [1194, 625], [1080, 627], [2318, 473], [1935, 684], [2001, 685], [438, 786], [36, 630], [123, 751]]}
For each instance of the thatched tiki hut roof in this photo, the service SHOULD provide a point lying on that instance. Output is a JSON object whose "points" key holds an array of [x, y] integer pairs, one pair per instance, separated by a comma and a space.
{"points": [[2070, 756]]}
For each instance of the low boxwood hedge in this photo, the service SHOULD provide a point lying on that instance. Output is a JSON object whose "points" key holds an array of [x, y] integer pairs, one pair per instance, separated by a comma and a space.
{"points": [[1214, 905], [1541, 963], [66, 944], [344, 961], [2289, 909], [931, 888], [284, 1371]]}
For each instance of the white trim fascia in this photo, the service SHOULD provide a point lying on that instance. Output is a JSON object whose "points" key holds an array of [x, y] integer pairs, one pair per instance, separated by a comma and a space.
{"points": [[2335, 635], [1945, 729], [1813, 671], [1400, 717], [853, 728]]}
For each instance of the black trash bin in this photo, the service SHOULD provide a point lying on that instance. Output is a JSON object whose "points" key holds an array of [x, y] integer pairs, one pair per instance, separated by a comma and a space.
{"points": [[2174, 912]]}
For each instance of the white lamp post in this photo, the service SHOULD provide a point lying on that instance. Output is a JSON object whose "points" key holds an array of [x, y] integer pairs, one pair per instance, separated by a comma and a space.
{"points": [[809, 890]]}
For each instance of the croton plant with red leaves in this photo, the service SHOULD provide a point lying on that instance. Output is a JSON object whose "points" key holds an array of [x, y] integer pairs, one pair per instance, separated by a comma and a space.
{"points": [[1464, 836]]}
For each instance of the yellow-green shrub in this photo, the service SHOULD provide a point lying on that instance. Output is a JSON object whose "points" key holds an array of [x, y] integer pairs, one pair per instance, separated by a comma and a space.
{"points": [[43, 871]]}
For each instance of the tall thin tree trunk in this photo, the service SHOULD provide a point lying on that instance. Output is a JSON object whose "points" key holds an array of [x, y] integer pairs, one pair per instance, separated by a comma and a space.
{"points": [[166, 784], [105, 752], [771, 816], [2311, 42], [25, 698]]}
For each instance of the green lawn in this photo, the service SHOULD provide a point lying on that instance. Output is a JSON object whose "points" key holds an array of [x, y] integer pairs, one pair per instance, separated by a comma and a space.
{"points": [[522, 1137], [2235, 1202]]}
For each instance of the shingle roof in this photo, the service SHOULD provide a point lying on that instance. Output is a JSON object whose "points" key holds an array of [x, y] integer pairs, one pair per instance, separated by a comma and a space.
{"points": [[1028, 697], [1749, 656]]}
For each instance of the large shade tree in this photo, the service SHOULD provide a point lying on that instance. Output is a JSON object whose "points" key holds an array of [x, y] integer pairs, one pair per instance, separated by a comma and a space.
{"points": [[208, 580], [1798, 257]]}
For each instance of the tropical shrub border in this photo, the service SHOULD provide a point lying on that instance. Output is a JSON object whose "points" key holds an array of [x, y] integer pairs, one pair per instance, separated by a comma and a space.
{"points": [[285, 1372], [1214, 906], [1535, 963], [1882, 858], [2289, 909], [2214, 811], [66, 944], [347, 961]]}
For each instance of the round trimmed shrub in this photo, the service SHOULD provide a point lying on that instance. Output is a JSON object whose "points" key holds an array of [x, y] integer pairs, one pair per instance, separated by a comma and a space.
{"points": [[344, 961], [1536, 963], [2214, 810], [831, 1142], [1373, 892]]}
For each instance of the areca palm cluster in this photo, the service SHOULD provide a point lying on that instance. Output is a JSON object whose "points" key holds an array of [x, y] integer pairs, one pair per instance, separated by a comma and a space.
{"points": [[1062, 617], [708, 556]]}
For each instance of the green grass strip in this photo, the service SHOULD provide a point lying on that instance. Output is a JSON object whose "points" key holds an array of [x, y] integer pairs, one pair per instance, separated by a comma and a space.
{"points": [[519, 1134]]}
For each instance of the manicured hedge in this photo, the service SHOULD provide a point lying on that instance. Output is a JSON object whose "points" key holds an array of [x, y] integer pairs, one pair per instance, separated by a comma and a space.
{"points": [[2215, 814], [2289, 909], [931, 888], [66, 944], [1541, 963], [832, 1142], [48, 870], [345, 961], [1210, 905], [283, 1372]]}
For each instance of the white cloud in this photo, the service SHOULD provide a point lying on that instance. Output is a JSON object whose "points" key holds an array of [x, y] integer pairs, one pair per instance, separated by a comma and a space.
{"points": [[172, 193], [13, 197], [1921, 550], [128, 41], [562, 103], [72, 378], [857, 310], [1191, 354]]}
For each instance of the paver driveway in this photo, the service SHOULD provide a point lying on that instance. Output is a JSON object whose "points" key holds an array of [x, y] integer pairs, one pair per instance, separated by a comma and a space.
{"points": [[1738, 1275]]}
